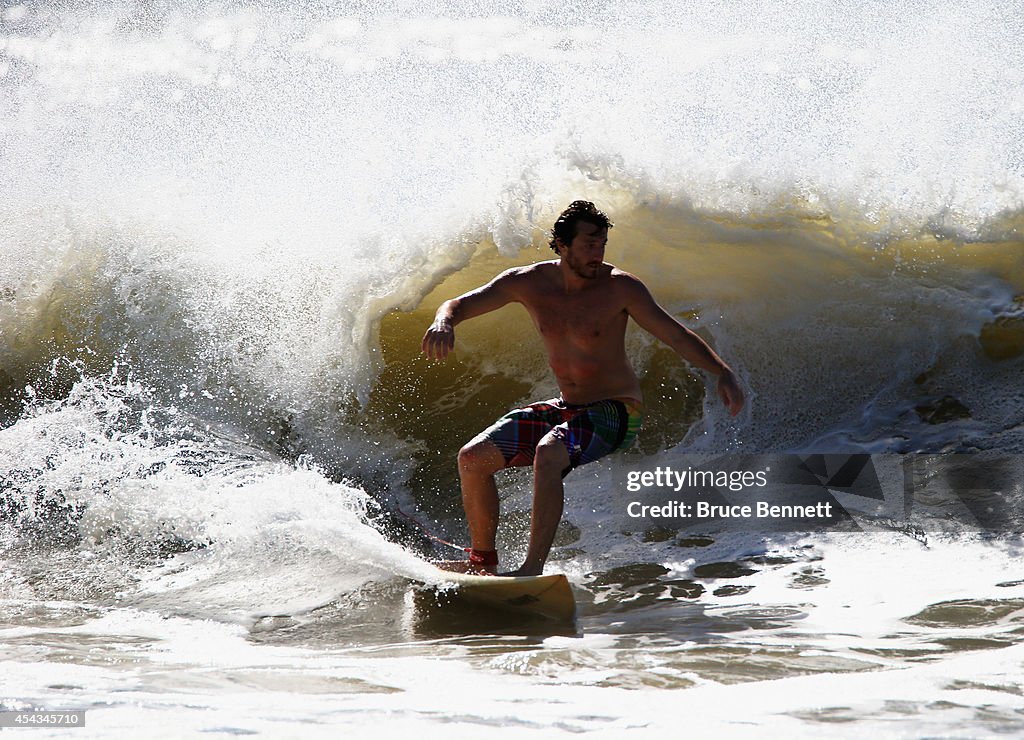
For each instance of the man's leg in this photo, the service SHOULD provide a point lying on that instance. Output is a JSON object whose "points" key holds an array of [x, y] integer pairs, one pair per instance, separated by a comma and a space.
{"points": [[550, 461], [478, 462]]}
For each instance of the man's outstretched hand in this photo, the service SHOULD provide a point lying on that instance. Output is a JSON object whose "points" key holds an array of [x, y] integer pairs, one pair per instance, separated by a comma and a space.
{"points": [[730, 393], [439, 340]]}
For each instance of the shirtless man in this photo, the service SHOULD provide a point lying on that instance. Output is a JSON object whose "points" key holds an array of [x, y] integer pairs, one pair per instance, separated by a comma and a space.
{"points": [[580, 305]]}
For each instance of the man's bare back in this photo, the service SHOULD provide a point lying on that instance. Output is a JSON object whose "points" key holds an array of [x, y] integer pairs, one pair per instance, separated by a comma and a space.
{"points": [[581, 307]]}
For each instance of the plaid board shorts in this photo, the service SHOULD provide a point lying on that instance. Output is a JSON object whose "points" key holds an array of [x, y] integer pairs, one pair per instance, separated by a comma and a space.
{"points": [[588, 431]]}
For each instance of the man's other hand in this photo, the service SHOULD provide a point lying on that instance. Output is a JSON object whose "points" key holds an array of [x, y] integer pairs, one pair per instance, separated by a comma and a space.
{"points": [[730, 393], [439, 340]]}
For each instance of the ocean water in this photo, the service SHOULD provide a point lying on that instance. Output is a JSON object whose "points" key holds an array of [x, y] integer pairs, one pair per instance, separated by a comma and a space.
{"points": [[224, 228]]}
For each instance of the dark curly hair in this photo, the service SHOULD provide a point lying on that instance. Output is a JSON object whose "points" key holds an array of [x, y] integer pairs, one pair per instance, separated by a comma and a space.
{"points": [[579, 210]]}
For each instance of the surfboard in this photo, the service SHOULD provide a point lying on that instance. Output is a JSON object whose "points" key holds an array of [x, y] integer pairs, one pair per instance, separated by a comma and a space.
{"points": [[547, 596]]}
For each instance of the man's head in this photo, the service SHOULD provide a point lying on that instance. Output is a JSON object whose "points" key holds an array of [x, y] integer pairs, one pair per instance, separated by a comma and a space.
{"points": [[579, 211]]}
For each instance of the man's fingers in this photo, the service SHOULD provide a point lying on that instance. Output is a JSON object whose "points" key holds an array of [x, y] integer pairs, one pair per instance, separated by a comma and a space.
{"points": [[723, 394], [736, 401], [437, 345], [731, 396]]}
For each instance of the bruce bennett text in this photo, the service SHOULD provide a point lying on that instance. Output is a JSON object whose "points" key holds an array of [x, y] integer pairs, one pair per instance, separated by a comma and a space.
{"points": [[707, 510]]}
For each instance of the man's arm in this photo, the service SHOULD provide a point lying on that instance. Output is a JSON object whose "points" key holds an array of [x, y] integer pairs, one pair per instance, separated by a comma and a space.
{"points": [[658, 322], [440, 337]]}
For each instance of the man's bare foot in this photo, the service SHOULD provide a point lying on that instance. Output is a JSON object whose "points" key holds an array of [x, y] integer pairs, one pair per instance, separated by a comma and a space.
{"points": [[464, 566]]}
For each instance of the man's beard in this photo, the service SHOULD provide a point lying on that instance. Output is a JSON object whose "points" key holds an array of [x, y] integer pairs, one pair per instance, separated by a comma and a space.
{"points": [[585, 270]]}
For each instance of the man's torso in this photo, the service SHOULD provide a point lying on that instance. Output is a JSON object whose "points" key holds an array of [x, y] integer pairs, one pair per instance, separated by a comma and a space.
{"points": [[583, 332]]}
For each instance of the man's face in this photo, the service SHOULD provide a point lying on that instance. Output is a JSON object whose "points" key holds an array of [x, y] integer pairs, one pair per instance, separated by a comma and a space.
{"points": [[585, 255]]}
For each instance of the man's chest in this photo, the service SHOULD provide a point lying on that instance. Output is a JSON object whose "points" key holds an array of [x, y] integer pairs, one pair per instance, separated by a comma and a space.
{"points": [[585, 318]]}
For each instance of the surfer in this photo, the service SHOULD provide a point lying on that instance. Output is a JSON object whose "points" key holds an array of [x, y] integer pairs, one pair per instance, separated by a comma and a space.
{"points": [[580, 305]]}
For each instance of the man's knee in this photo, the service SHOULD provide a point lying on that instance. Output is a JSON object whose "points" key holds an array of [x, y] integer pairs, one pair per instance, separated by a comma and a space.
{"points": [[551, 456], [480, 456]]}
